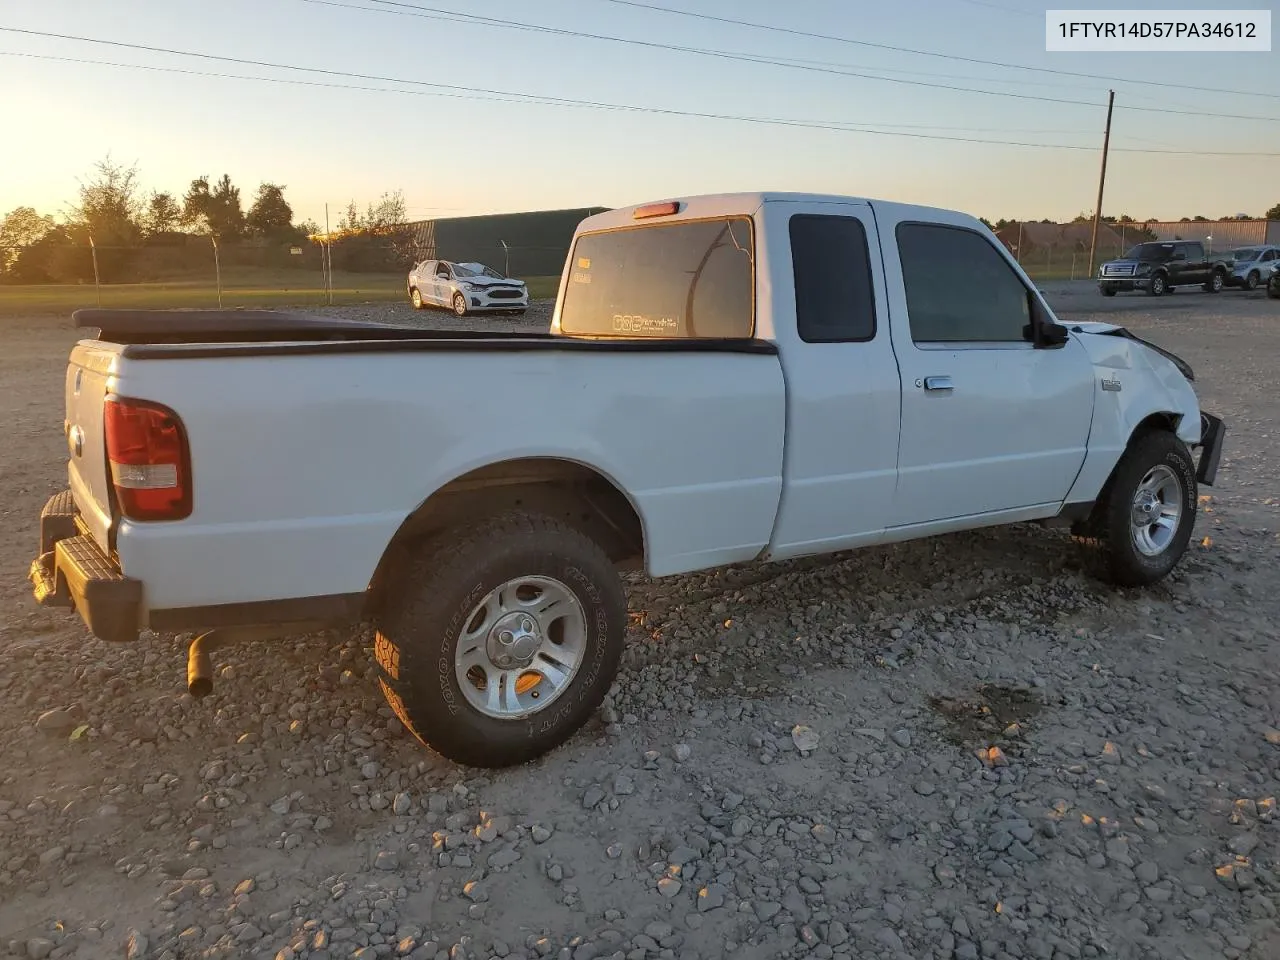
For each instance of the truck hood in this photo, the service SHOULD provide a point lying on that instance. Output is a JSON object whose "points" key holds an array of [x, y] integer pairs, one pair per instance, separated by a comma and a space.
{"points": [[1095, 329]]}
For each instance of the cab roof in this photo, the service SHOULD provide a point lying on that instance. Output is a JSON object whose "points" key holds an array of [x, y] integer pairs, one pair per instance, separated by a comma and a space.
{"points": [[748, 203]]}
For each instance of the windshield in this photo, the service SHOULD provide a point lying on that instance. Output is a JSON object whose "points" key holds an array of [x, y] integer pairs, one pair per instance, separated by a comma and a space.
{"points": [[1244, 254], [1149, 251], [475, 270]]}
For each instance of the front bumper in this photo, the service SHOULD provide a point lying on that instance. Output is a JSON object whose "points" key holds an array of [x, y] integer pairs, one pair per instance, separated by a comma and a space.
{"points": [[1125, 284], [483, 300], [1212, 434], [71, 571]]}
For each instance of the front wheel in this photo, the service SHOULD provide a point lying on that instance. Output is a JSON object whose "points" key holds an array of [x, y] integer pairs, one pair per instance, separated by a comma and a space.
{"points": [[1158, 286], [459, 304], [502, 640], [415, 295], [1144, 519], [1108, 291]]}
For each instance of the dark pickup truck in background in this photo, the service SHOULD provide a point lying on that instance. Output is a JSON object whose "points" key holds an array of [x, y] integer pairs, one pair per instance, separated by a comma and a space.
{"points": [[1162, 265]]}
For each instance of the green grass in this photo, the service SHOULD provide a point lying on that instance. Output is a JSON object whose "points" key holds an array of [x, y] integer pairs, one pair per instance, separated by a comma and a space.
{"points": [[251, 288]]}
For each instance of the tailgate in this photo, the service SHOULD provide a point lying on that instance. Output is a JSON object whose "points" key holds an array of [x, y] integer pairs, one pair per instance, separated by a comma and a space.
{"points": [[90, 376]]}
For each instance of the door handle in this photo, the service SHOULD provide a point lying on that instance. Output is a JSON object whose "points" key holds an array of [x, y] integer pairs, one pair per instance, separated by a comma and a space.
{"points": [[938, 383]]}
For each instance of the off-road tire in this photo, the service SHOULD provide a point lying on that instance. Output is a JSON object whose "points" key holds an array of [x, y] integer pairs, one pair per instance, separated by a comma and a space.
{"points": [[419, 625], [1108, 532]]}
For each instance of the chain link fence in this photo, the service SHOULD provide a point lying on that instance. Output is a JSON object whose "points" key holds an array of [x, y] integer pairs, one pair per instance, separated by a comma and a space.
{"points": [[197, 271]]}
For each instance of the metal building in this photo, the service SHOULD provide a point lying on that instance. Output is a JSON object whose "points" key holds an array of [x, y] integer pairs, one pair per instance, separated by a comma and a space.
{"points": [[530, 244], [1218, 234]]}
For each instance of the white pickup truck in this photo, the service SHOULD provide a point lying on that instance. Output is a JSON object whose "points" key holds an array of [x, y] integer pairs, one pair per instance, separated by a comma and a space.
{"points": [[726, 379]]}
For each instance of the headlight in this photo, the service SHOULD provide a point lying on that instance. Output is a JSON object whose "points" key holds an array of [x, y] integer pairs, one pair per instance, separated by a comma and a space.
{"points": [[1144, 268], [466, 286]]}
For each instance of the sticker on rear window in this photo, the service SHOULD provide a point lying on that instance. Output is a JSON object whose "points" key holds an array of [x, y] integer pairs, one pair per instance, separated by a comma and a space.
{"points": [[584, 263]]}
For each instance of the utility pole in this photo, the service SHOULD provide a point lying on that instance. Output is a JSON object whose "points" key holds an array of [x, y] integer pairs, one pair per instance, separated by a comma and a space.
{"points": [[1102, 179], [217, 267], [328, 258]]}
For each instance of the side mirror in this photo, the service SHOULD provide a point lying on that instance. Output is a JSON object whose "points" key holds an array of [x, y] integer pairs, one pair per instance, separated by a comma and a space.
{"points": [[1054, 335], [1043, 331]]}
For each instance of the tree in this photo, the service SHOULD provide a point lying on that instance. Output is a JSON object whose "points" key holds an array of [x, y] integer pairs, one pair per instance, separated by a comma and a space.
{"points": [[271, 216], [215, 210], [1273, 213], [351, 221], [110, 209], [227, 216], [162, 215], [1199, 219], [21, 228]]}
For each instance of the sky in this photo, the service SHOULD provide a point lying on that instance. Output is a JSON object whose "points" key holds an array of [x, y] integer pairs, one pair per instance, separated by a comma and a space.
{"points": [[455, 151]]}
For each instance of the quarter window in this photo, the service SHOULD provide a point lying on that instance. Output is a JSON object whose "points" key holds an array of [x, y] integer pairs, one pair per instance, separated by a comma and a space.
{"points": [[831, 265], [959, 288]]}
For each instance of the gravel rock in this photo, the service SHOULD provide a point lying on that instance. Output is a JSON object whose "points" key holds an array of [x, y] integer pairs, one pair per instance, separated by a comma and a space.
{"points": [[1015, 760]]}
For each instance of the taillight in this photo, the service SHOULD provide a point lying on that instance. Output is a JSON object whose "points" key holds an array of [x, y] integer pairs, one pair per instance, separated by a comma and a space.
{"points": [[150, 460]]}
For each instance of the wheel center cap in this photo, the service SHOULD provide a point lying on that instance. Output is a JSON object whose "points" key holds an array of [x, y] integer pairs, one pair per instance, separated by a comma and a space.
{"points": [[1145, 508], [513, 641]]}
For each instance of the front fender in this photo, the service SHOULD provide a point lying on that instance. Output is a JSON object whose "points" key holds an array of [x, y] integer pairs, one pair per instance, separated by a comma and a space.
{"points": [[1133, 382]]}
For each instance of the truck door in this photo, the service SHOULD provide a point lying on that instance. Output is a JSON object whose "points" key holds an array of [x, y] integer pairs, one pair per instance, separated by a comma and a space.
{"points": [[826, 305], [1195, 268], [990, 423]]}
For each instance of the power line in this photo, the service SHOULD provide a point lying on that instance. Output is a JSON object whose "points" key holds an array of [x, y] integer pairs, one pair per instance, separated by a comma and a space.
{"points": [[437, 13], [453, 16], [933, 53], [484, 94], [996, 6]]}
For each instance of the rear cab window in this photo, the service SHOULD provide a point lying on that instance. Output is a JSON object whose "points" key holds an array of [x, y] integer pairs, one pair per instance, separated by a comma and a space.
{"points": [[689, 279]]}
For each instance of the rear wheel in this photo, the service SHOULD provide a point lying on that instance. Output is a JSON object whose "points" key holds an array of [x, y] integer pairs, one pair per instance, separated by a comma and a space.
{"points": [[1142, 522], [1251, 281], [503, 639], [459, 304], [1217, 280]]}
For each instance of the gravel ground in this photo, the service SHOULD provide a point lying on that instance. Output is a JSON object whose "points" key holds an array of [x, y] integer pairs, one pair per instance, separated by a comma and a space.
{"points": [[961, 747]]}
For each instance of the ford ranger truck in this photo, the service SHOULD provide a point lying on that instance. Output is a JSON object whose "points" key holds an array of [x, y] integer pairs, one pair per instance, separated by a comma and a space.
{"points": [[726, 379]]}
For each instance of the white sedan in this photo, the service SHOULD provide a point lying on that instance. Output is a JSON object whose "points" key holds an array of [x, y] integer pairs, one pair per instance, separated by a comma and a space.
{"points": [[465, 288]]}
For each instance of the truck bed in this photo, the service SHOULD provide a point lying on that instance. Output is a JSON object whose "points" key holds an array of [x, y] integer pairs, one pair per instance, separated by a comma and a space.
{"points": [[312, 440], [178, 334]]}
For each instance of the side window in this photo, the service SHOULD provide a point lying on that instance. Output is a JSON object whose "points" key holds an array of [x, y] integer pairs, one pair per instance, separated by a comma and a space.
{"points": [[959, 288], [831, 263], [1268, 256]]}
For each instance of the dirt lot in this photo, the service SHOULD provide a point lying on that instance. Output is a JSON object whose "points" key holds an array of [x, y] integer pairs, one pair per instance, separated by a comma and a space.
{"points": [[1128, 812]]}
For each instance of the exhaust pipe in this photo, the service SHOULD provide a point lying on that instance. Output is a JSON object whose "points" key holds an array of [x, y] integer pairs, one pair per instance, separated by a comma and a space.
{"points": [[199, 666]]}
